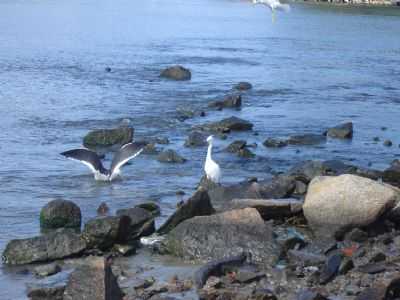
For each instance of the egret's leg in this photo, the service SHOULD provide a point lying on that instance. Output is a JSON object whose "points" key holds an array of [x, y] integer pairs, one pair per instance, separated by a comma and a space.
{"points": [[273, 16]]}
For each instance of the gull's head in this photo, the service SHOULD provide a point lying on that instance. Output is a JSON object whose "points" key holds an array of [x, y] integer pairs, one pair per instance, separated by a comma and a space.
{"points": [[210, 139], [256, 1]]}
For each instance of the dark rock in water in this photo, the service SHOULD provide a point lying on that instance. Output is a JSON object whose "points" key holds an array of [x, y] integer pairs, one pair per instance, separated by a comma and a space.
{"points": [[331, 268], [103, 209], [243, 86], [246, 153], [274, 143], [388, 143], [271, 208], [215, 268], [46, 293], [376, 139], [229, 101], [93, 280], [198, 205], [305, 258], [227, 125], [60, 213], [141, 222], [151, 207], [310, 295], [151, 149], [170, 156], [342, 131], [103, 232], [196, 139], [108, 137], [392, 174], [185, 113], [224, 235], [306, 139], [47, 270], [107, 69], [55, 245], [176, 73], [236, 146]]}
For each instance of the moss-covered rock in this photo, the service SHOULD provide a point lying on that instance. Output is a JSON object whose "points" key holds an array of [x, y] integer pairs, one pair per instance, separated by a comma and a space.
{"points": [[108, 137], [60, 214]]}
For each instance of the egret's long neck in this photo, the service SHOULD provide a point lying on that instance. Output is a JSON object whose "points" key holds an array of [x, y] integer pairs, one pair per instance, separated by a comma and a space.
{"points": [[208, 158]]}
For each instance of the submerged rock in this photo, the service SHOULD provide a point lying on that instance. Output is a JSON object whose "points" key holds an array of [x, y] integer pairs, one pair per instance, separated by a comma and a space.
{"points": [[176, 73], [236, 146], [103, 232], [170, 156], [275, 143], [60, 213], [198, 205], [335, 205], [228, 124], [342, 131], [307, 139], [224, 235], [93, 280], [108, 137], [196, 139], [229, 101], [55, 245], [243, 86]]}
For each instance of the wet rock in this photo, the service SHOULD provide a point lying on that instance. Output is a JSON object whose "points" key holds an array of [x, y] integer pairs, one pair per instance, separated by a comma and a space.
{"points": [[392, 174], [342, 131], [310, 295], [331, 268], [229, 101], [103, 209], [388, 143], [376, 139], [243, 86], [280, 186], [151, 149], [335, 205], [176, 73], [103, 232], [107, 69], [94, 281], [60, 213], [141, 222], [47, 270], [151, 207], [306, 139], [245, 153], [46, 292], [271, 208], [224, 235], [227, 125], [108, 137], [275, 143], [170, 156], [236, 146], [55, 245], [216, 268], [185, 113], [373, 268], [196, 139], [305, 258], [198, 205]]}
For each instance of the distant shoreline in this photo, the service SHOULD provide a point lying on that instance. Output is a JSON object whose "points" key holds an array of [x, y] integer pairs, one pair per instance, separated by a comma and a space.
{"points": [[354, 3]]}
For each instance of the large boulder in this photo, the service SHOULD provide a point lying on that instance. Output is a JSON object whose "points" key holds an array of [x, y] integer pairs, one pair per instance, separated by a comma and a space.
{"points": [[196, 139], [198, 205], [141, 222], [170, 156], [224, 235], [342, 131], [93, 280], [103, 232], [229, 101], [335, 205], [60, 213], [108, 137], [55, 245], [228, 124], [176, 73]]}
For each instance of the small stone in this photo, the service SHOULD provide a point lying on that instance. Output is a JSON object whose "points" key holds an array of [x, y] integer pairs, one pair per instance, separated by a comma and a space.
{"points": [[243, 86], [246, 153], [274, 143], [383, 128], [342, 131], [247, 276], [107, 69], [196, 139], [388, 143], [176, 73], [378, 257], [143, 283], [376, 139], [103, 209]]}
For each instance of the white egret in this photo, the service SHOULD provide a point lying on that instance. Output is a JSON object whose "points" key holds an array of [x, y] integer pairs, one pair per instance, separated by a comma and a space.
{"points": [[213, 172], [273, 5]]}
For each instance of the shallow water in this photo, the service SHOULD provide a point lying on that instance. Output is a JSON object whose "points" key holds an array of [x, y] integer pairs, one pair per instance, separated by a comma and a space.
{"points": [[314, 67]]}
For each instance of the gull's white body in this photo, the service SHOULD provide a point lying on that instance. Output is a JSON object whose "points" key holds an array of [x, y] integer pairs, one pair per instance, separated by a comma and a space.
{"points": [[273, 5], [213, 172]]}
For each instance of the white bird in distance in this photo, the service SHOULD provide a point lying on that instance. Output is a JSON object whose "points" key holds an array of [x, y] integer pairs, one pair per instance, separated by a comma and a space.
{"points": [[273, 5]]}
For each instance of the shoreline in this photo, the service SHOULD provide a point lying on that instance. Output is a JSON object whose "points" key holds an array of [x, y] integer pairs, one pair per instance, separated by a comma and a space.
{"points": [[352, 4]]}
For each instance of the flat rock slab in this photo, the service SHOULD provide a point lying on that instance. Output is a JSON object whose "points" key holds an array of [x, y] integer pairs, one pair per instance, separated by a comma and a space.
{"points": [[224, 235], [335, 205], [94, 281], [271, 208], [228, 124], [48, 247]]}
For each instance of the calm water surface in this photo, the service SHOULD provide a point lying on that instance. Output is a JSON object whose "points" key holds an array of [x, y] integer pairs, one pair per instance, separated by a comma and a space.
{"points": [[313, 68]]}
